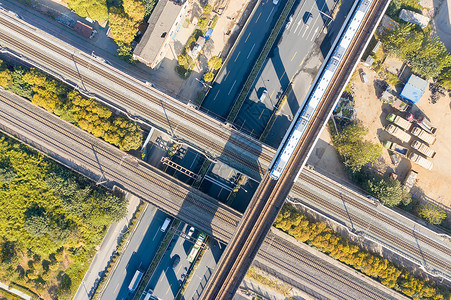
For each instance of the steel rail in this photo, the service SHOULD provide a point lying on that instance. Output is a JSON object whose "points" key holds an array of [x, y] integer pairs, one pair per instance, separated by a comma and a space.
{"points": [[271, 194]]}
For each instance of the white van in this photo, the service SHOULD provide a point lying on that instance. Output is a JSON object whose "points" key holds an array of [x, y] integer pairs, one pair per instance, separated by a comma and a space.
{"points": [[165, 224]]}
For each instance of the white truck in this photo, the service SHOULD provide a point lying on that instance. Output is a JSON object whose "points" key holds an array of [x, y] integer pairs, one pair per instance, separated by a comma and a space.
{"points": [[398, 132], [423, 148], [135, 281], [426, 125], [420, 160], [423, 135], [401, 122]]}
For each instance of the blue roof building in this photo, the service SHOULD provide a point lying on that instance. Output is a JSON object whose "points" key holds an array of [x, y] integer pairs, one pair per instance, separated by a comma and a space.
{"points": [[414, 89]]}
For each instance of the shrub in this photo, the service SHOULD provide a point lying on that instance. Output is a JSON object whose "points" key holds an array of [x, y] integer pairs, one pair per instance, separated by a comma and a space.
{"points": [[208, 77]]}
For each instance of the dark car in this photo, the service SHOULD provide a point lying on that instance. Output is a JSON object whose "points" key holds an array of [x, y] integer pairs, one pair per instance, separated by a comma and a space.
{"points": [[175, 261]]}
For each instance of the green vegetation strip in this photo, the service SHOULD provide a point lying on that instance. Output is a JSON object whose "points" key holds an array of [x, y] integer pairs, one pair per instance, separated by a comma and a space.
{"points": [[322, 237], [119, 249], [261, 58], [269, 281], [156, 260], [50, 232], [67, 103]]}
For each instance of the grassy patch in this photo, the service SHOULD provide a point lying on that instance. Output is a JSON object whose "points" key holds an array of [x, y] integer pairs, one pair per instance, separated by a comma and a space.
{"points": [[268, 281]]}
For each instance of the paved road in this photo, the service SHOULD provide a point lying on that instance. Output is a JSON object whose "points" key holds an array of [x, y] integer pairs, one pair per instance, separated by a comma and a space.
{"points": [[228, 84], [204, 270], [138, 255], [167, 278], [103, 255], [283, 63]]}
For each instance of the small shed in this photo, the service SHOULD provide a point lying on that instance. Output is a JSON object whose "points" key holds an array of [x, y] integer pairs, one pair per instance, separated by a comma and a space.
{"points": [[369, 61], [83, 29], [413, 17], [414, 88]]}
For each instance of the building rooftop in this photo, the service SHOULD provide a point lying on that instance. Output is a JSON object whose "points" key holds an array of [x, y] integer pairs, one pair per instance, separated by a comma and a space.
{"points": [[413, 17], [160, 23], [414, 88]]}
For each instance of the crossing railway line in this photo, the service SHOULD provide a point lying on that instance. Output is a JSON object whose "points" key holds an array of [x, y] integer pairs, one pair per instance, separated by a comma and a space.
{"points": [[223, 219], [271, 194]]}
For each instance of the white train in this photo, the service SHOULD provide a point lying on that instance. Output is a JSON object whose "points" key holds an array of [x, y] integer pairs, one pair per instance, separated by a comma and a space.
{"points": [[290, 142]]}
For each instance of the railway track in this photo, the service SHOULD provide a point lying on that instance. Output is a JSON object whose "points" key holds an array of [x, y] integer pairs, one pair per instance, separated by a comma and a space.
{"points": [[238, 139], [271, 194], [402, 244], [373, 213], [148, 174], [338, 289]]}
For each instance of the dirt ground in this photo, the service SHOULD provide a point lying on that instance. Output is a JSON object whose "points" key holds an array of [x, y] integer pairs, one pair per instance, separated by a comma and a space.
{"points": [[434, 184]]}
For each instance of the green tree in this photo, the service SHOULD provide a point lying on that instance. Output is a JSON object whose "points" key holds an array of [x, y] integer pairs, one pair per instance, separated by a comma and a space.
{"points": [[95, 9], [5, 75], [183, 60], [425, 54], [387, 190], [215, 62], [202, 24], [134, 9], [208, 77], [207, 9], [352, 147], [148, 7], [123, 51], [122, 26], [431, 213]]}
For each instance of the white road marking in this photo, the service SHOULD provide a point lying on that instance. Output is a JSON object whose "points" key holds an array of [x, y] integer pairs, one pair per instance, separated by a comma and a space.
{"points": [[269, 14], [232, 87], [250, 51], [155, 236]]}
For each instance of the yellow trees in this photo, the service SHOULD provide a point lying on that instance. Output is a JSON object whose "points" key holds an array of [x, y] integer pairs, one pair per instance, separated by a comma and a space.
{"points": [[322, 237]]}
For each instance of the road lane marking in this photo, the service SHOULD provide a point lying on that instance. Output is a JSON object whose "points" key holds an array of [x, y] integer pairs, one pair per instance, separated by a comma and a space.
{"points": [[294, 55], [250, 51], [282, 75], [220, 191], [170, 285], [269, 14], [216, 96], [261, 114], [237, 56], [155, 235], [232, 87], [116, 288], [271, 94], [247, 37], [125, 272], [178, 269], [258, 17], [227, 75]]}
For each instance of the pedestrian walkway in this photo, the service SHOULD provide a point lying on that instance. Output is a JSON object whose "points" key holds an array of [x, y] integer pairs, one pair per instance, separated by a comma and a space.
{"points": [[14, 291]]}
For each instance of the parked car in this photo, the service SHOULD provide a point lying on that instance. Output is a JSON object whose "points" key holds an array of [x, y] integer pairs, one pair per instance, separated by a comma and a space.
{"points": [[175, 261], [263, 96], [191, 231], [363, 77]]}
